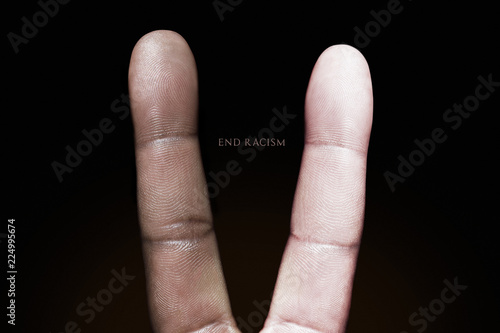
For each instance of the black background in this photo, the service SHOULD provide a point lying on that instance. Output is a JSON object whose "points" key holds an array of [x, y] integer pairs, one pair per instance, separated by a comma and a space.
{"points": [[439, 224]]}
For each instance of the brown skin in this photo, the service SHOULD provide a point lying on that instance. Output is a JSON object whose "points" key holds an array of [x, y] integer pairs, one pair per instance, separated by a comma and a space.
{"points": [[186, 287]]}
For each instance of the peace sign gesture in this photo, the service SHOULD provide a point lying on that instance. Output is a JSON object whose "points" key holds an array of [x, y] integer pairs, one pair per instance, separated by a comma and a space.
{"points": [[186, 287]]}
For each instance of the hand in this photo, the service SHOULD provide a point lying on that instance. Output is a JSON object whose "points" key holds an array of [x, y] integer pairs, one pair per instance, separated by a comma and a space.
{"points": [[187, 291]]}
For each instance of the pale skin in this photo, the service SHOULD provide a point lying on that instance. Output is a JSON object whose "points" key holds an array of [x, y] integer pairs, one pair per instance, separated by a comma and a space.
{"points": [[185, 283]]}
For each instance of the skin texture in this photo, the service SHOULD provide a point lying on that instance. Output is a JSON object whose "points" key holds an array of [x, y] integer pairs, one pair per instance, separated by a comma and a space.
{"points": [[186, 287]]}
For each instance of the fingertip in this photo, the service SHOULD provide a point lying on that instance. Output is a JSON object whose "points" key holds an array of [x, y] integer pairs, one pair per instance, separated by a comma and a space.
{"points": [[158, 38], [163, 85], [339, 99], [346, 52]]}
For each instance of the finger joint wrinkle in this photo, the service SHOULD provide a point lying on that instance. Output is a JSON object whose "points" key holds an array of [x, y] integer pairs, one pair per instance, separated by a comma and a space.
{"points": [[343, 246], [217, 325], [190, 231], [297, 327], [336, 144], [143, 141]]}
